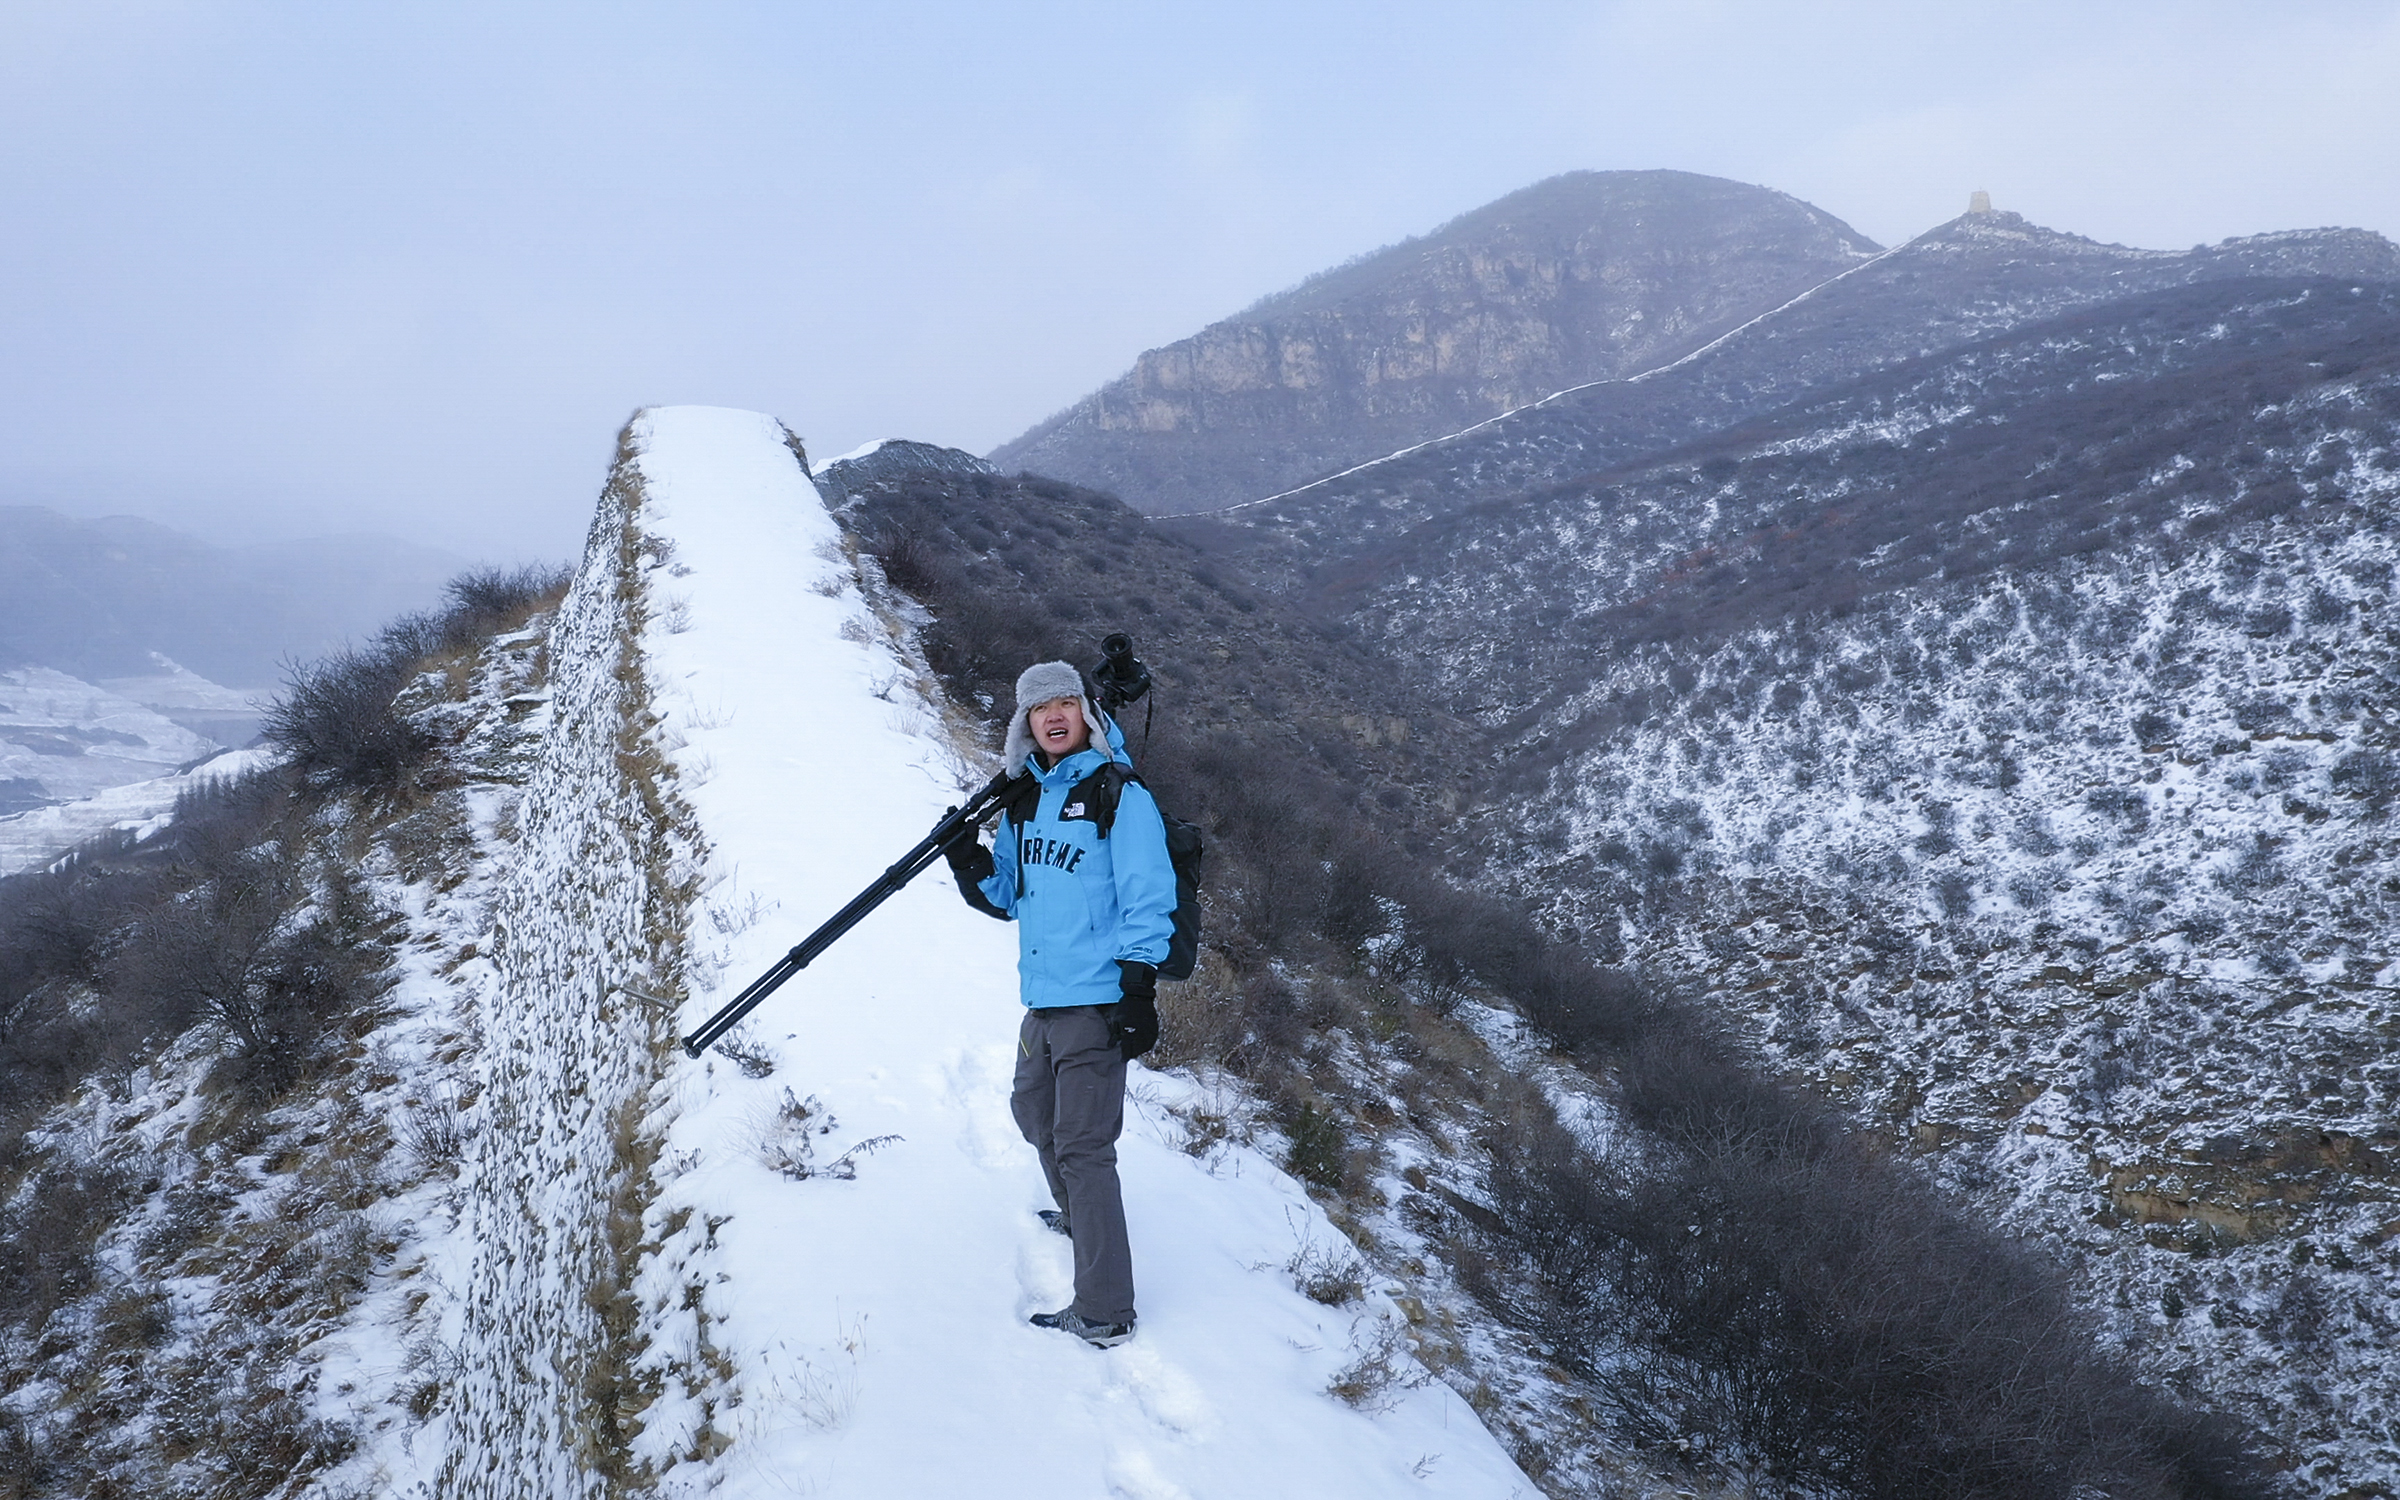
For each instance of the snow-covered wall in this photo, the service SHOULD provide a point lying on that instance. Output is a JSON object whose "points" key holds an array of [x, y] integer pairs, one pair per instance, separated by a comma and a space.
{"points": [[804, 1263], [560, 1170]]}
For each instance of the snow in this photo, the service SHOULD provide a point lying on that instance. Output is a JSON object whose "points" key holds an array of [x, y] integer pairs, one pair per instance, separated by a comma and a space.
{"points": [[141, 808], [839, 1258], [76, 739], [861, 451], [77, 759], [87, 757]]}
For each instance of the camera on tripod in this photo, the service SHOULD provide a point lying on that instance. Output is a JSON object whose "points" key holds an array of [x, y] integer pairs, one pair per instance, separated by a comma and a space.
{"points": [[1120, 678]]}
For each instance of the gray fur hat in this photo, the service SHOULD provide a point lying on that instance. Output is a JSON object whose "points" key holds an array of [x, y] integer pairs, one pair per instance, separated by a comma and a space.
{"points": [[1037, 685]]}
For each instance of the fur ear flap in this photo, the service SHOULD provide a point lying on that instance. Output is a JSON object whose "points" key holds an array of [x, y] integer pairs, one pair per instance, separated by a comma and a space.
{"points": [[1019, 746]]}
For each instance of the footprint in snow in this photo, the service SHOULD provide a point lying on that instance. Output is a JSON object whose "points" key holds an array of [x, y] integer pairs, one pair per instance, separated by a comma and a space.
{"points": [[1133, 1475], [973, 1086], [1167, 1396], [1045, 1274]]}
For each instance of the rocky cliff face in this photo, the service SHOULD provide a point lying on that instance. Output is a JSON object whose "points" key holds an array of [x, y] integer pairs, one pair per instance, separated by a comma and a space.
{"points": [[1588, 276]]}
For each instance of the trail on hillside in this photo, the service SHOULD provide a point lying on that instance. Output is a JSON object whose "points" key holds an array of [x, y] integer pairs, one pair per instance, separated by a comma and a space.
{"points": [[840, 1251]]}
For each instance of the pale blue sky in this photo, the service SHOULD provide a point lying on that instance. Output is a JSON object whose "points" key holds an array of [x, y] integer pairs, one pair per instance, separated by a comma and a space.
{"points": [[307, 267]]}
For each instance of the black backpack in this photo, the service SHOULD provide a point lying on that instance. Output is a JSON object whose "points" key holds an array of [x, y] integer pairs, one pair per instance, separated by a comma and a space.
{"points": [[1099, 793]]}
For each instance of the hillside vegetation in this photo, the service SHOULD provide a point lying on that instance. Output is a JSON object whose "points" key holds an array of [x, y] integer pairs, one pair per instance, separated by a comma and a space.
{"points": [[1576, 1166], [224, 1108], [1973, 683]]}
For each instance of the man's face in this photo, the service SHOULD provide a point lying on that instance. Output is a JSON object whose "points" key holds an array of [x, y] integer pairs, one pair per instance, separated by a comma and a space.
{"points": [[1058, 727]]}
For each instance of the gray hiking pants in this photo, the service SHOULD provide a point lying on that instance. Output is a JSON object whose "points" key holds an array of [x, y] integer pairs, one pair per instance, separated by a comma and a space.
{"points": [[1070, 1103]]}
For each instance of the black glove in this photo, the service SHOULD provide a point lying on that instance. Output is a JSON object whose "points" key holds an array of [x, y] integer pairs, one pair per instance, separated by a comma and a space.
{"points": [[1133, 1020], [969, 860], [971, 865]]}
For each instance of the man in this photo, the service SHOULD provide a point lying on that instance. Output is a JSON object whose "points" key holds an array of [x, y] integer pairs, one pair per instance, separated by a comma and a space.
{"points": [[1093, 897]]}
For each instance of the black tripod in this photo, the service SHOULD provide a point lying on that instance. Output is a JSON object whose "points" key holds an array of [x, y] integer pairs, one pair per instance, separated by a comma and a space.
{"points": [[910, 865], [1119, 679]]}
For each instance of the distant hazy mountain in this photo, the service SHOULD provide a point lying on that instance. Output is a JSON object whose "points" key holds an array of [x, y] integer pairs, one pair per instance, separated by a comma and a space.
{"points": [[1586, 276], [95, 599]]}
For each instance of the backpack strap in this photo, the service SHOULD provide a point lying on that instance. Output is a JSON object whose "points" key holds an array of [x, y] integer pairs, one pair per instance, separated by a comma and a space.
{"points": [[1100, 792]]}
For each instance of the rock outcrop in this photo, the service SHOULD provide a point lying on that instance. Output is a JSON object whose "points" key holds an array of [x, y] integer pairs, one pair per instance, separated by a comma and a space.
{"points": [[1587, 276], [843, 479]]}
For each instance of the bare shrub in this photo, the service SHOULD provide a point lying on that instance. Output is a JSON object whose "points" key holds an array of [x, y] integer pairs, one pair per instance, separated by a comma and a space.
{"points": [[787, 1142], [486, 601], [1381, 1371], [912, 564], [54, 925], [1203, 1018], [48, 1239], [239, 951], [1331, 1274], [337, 717], [134, 1318], [433, 1130], [1319, 1149], [2370, 774], [434, 841], [188, 1214], [1207, 1125], [745, 1053], [437, 1366], [236, 1406], [26, 1458]]}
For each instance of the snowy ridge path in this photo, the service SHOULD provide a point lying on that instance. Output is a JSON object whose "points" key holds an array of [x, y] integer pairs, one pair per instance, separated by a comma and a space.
{"points": [[849, 1242]]}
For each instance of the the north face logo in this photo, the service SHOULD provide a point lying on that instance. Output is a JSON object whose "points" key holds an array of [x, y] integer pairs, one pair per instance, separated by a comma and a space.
{"points": [[1071, 810]]}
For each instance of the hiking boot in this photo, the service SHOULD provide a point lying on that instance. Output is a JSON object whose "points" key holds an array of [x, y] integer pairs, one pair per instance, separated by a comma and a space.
{"points": [[1055, 1221], [1098, 1335]]}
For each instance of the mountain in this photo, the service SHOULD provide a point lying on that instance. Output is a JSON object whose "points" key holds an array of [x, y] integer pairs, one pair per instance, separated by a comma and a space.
{"points": [[1586, 276], [1974, 680], [1971, 279], [97, 599], [2160, 420], [2008, 736]]}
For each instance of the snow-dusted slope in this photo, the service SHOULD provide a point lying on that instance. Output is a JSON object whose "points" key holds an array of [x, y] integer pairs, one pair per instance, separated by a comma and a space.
{"points": [[832, 1263], [76, 759], [31, 839]]}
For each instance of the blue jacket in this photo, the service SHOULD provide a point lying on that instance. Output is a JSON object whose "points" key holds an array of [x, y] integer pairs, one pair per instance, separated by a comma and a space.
{"points": [[1082, 902]]}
